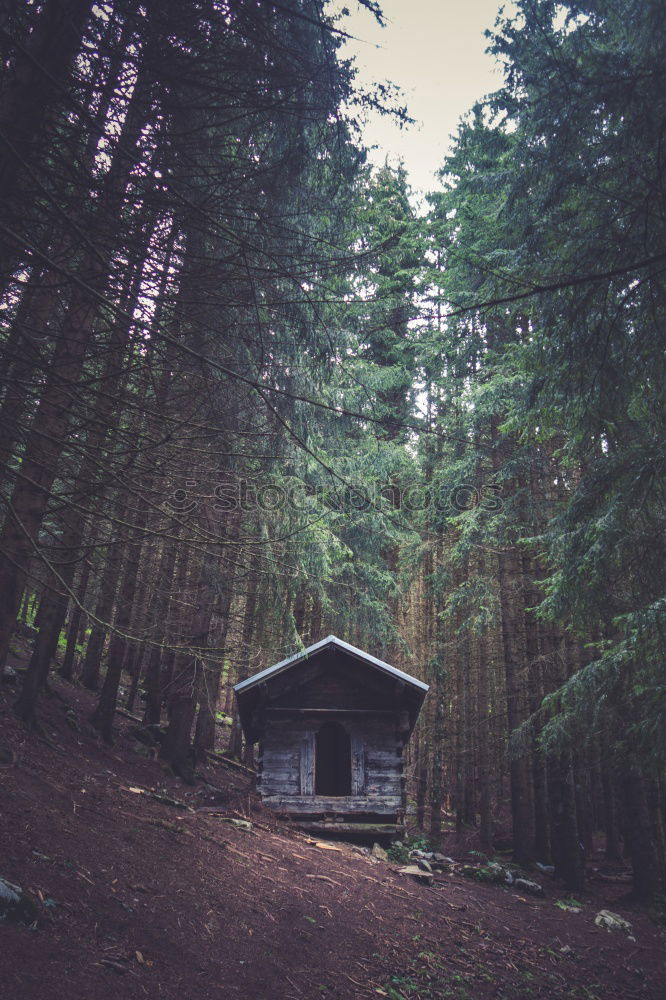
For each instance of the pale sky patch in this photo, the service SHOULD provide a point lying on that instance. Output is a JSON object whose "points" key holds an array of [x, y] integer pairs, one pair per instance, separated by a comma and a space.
{"points": [[435, 51]]}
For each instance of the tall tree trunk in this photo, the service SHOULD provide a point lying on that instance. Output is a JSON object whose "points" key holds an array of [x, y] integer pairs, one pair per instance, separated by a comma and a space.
{"points": [[177, 748], [49, 620], [204, 734], [483, 712], [252, 584], [521, 812], [421, 776], [638, 832], [42, 653], [77, 621], [22, 351], [436, 787], [612, 850], [159, 616], [46, 441], [32, 85], [106, 598], [565, 841]]}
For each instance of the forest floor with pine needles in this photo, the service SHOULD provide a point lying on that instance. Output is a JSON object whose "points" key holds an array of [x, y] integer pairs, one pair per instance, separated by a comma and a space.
{"points": [[146, 888]]}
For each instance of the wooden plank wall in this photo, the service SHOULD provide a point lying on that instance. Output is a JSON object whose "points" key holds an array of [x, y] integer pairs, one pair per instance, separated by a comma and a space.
{"points": [[287, 764]]}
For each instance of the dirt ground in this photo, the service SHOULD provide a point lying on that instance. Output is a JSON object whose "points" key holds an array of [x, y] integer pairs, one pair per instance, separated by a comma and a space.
{"points": [[139, 897]]}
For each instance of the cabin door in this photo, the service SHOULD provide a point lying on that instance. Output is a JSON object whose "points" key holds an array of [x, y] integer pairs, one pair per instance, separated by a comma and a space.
{"points": [[333, 760]]}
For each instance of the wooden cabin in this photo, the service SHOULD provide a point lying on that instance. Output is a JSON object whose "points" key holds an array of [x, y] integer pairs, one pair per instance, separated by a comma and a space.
{"points": [[332, 723]]}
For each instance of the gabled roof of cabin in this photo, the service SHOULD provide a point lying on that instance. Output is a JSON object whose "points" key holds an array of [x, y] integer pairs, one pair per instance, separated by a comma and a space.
{"points": [[331, 641], [251, 693]]}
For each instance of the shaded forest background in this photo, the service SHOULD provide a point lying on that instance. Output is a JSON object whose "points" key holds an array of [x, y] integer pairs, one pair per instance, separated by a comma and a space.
{"points": [[251, 396]]}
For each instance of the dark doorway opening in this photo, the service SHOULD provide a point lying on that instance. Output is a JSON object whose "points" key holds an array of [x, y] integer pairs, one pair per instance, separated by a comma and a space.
{"points": [[332, 760]]}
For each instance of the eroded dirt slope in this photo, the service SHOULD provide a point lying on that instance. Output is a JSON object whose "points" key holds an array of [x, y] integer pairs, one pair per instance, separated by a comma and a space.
{"points": [[141, 897]]}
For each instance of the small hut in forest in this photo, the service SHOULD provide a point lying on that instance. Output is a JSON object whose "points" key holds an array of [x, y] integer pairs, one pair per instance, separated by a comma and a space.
{"points": [[332, 723]]}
